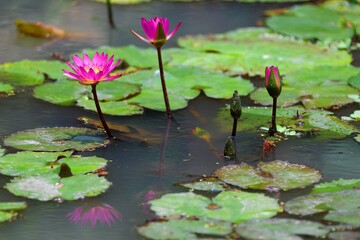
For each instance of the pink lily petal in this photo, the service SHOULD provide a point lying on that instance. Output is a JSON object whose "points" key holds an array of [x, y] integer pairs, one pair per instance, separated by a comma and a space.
{"points": [[174, 31], [140, 37]]}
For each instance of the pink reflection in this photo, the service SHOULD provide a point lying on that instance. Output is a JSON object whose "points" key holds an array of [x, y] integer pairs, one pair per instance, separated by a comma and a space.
{"points": [[102, 212]]}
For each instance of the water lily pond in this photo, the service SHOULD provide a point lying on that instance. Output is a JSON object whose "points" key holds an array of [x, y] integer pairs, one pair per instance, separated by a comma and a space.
{"points": [[61, 177]]}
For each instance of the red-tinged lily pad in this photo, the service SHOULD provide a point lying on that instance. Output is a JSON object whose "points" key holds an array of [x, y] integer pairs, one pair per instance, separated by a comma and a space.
{"points": [[50, 186], [185, 228], [9, 210], [32, 163], [343, 201], [56, 139], [284, 228], [276, 175], [232, 206]]}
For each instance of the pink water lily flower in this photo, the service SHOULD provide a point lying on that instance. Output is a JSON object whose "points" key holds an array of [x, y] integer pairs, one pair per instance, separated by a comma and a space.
{"points": [[93, 71], [156, 31]]}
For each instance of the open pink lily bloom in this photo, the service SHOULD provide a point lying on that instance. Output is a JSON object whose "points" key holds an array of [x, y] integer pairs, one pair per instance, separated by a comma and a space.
{"points": [[89, 71], [156, 31]]}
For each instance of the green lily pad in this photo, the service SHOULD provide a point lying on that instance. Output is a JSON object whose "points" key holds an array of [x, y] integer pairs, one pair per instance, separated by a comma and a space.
{"points": [[6, 88], [349, 217], [8, 210], [357, 138], [273, 175], [319, 96], [355, 81], [346, 200], [285, 228], [311, 22], [344, 236], [209, 184], [118, 108], [228, 206], [320, 75], [56, 139], [184, 228], [51, 186], [337, 185], [255, 49], [356, 115], [32, 163], [318, 122], [30, 72], [132, 55], [62, 92]]}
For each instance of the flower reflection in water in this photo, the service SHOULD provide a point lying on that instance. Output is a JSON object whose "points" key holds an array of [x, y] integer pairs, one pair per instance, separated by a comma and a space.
{"points": [[92, 213]]}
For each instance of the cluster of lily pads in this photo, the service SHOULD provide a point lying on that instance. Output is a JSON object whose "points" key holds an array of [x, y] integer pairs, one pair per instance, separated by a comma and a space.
{"points": [[48, 169], [317, 75]]}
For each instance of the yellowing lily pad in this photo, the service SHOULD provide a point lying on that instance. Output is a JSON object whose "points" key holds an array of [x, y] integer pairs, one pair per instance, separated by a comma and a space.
{"points": [[50, 186], [184, 228], [8, 210], [32, 163], [30, 72], [228, 206], [273, 175], [56, 139], [285, 228]]}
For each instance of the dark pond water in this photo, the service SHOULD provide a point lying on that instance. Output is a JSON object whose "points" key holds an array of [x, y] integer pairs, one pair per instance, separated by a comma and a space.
{"points": [[137, 168]]}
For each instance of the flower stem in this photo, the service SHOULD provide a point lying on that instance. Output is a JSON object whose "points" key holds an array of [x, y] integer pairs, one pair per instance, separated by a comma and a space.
{"points": [[163, 84], [110, 13], [101, 116], [233, 134], [273, 129]]}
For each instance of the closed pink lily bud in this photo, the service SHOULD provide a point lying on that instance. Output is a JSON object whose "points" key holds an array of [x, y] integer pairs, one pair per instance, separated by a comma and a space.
{"points": [[273, 81]]}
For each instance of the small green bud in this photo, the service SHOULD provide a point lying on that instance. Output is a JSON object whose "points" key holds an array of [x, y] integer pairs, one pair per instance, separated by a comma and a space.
{"points": [[235, 107]]}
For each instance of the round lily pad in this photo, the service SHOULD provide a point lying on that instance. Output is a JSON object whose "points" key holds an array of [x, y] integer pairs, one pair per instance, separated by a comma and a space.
{"points": [[30, 72], [255, 49], [311, 22], [31, 163], [50, 186], [349, 217], [184, 228], [314, 122], [9, 210], [118, 108], [62, 92], [284, 228], [56, 139], [6, 88], [336, 185], [228, 206], [210, 184], [344, 235], [273, 175], [346, 200]]}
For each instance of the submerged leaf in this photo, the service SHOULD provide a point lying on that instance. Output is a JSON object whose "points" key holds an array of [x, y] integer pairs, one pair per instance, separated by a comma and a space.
{"points": [[273, 175], [56, 139], [39, 29]]}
